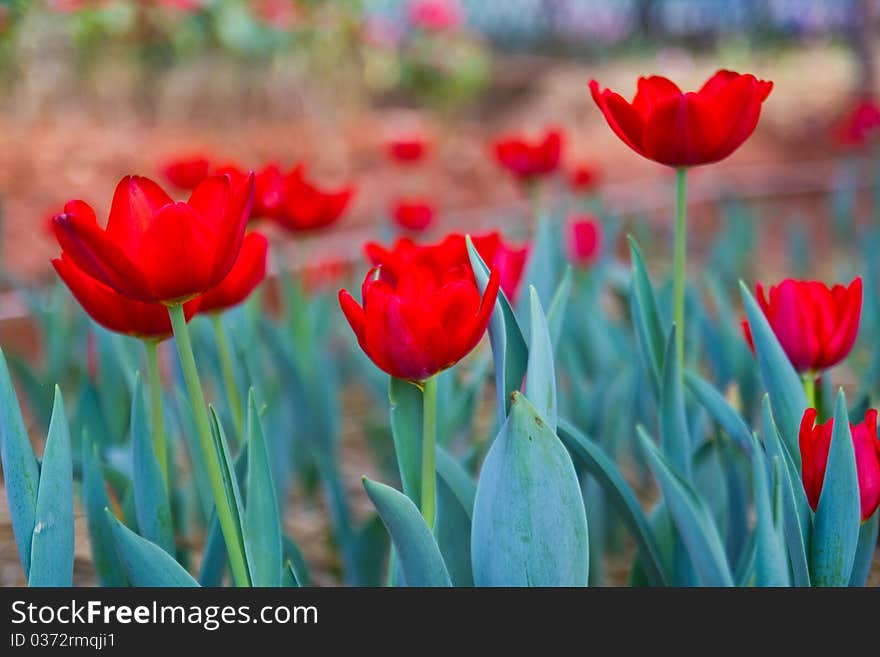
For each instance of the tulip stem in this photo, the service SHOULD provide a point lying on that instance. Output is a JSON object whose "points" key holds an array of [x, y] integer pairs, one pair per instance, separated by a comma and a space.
{"points": [[429, 448], [228, 370], [159, 444], [206, 441], [809, 381], [679, 256]]}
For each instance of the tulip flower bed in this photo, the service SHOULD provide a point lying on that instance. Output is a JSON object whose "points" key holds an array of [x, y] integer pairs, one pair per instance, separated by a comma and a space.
{"points": [[528, 410]]}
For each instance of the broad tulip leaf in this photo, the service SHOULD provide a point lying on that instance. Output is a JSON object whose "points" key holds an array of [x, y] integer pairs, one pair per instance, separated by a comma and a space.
{"points": [[717, 406], [540, 374], [52, 540], [541, 269], [782, 382], [771, 566], [455, 506], [796, 513], [95, 499], [558, 305], [646, 318], [151, 504], [836, 525], [509, 349], [417, 551], [262, 519], [865, 551], [674, 433], [530, 525], [406, 430], [621, 496], [194, 452], [145, 563], [693, 521], [21, 475]]}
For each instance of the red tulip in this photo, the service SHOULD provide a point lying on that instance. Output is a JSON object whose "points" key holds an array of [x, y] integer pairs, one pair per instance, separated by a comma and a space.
{"points": [[413, 214], [149, 321], [686, 129], [268, 188], [407, 150], [451, 252], [186, 172], [583, 179], [435, 15], [421, 321], [859, 127], [156, 250], [816, 325], [246, 274], [585, 239], [305, 207], [526, 160], [815, 442]]}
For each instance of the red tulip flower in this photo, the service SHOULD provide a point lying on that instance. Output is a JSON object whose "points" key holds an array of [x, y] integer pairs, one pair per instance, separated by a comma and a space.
{"points": [[153, 249], [859, 127], [680, 129], [413, 214], [186, 172], [583, 179], [527, 160], [816, 325], [306, 207], [815, 442], [148, 321], [418, 322], [435, 15], [407, 150], [268, 188], [585, 239], [246, 274]]}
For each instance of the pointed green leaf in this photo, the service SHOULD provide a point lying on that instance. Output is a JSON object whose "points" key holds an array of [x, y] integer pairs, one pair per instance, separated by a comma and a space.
{"points": [[52, 540], [693, 521], [262, 519], [724, 415], [145, 563], [21, 475], [455, 505], [417, 551], [674, 434], [780, 378], [865, 551], [558, 305], [541, 377], [530, 525], [406, 430], [95, 499], [836, 525], [646, 317], [771, 566]]}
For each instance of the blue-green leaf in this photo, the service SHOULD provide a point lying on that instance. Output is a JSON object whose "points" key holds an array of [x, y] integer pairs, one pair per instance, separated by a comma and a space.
{"points": [[558, 305], [145, 563], [509, 349], [771, 566], [836, 525], [262, 520], [674, 433], [417, 551], [406, 430], [455, 505], [780, 378], [621, 496], [865, 550], [21, 475], [723, 414], [52, 541], [541, 377], [530, 525], [150, 493], [693, 521], [94, 493], [646, 317]]}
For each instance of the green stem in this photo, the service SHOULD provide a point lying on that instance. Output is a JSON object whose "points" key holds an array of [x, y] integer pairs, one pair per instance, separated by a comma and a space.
{"points": [[228, 370], [159, 445], [679, 256], [429, 448], [809, 381], [206, 441]]}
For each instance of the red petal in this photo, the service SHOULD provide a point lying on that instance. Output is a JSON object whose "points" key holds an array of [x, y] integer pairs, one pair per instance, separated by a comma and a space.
{"points": [[135, 202], [246, 274]]}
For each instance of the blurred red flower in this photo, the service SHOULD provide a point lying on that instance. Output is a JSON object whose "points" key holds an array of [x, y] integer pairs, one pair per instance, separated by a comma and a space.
{"points": [[585, 239], [407, 150], [530, 160], [859, 126], [413, 214], [686, 129], [186, 171], [583, 178], [418, 322], [435, 15], [815, 442], [268, 188], [246, 274], [156, 250], [816, 325], [306, 207]]}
